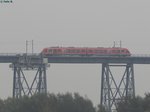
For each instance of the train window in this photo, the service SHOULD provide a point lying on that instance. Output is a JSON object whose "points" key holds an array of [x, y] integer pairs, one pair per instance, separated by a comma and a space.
{"points": [[118, 51], [50, 50], [71, 51], [77, 51], [102, 51], [98, 51], [68, 50], [122, 50], [59, 50], [54, 50], [90, 51], [113, 51], [82, 50]]}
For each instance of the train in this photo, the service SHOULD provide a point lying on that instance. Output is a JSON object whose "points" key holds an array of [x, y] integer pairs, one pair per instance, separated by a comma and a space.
{"points": [[85, 51]]}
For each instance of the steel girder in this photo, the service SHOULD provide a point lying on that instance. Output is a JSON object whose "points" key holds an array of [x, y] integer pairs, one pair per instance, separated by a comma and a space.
{"points": [[21, 85], [111, 91]]}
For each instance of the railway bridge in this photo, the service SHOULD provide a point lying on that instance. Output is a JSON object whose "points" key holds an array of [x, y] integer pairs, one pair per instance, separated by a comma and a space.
{"points": [[111, 90]]}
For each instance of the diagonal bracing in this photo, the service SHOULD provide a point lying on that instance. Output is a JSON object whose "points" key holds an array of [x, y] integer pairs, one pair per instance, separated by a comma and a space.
{"points": [[112, 91]]}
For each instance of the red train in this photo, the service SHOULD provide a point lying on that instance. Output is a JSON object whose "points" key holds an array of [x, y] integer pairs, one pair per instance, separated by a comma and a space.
{"points": [[86, 51]]}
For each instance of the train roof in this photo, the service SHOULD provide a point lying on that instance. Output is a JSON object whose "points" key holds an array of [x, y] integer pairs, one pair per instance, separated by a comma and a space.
{"points": [[89, 47]]}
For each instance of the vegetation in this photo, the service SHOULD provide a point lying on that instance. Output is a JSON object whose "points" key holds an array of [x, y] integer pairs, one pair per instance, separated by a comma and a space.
{"points": [[137, 104], [48, 103], [69, 103]]}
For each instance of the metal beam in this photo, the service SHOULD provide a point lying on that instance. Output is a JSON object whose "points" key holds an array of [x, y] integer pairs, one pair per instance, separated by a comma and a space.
{"points": [[12, 58], [111, 91], [99, 59], [21, 85]]}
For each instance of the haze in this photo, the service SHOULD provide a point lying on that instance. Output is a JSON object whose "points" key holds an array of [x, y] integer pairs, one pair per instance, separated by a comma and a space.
{"points": [[92, 23]]}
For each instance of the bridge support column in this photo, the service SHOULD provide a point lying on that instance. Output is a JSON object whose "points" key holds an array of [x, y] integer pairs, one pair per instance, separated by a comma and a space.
{"points": [[39, 81], [112, 90], [21, 85]]}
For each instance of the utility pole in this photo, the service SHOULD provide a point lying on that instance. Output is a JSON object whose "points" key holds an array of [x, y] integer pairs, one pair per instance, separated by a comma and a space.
{"points": [[120, 43], [29, 46], [117, 44]]}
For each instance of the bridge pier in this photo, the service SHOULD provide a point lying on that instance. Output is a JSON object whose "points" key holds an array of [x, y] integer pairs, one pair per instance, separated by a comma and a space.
{"points": [[21, 85], [111, 91]]}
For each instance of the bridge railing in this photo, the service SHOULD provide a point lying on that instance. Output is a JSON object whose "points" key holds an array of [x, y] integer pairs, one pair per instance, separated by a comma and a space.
{"points": [[140, 55], [37, 54], [19, 54]]}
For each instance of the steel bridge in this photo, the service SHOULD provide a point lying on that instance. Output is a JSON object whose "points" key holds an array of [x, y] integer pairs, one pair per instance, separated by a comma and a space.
{"points": [[111, 90]]}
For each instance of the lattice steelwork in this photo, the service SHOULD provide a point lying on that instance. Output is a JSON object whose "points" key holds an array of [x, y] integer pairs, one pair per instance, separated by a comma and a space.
{"points": [[39, 81], [111, 91], [21, 85]]}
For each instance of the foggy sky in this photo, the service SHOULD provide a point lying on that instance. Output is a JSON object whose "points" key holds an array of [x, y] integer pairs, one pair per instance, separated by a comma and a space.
{"points": [[92, 23]]}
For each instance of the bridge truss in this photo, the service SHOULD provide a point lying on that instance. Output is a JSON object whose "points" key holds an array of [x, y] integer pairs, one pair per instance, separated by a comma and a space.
{"points": [[112, 90], [21, 84]]}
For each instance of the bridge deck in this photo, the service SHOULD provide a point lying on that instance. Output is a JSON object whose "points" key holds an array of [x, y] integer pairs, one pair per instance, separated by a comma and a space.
{"points": [[140, 59], [99, 59]]}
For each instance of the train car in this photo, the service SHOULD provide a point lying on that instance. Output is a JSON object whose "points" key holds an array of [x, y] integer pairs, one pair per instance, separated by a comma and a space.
{"points": [[86, 51]]}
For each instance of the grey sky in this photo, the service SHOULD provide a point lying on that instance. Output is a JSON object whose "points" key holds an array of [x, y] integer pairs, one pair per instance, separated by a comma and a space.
{"points": [[75, 23]]}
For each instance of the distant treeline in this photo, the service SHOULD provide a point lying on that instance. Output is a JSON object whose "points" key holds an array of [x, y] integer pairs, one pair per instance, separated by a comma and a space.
{"points": [[68, 103], [48, 103], [137, 104]]}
